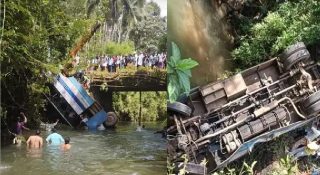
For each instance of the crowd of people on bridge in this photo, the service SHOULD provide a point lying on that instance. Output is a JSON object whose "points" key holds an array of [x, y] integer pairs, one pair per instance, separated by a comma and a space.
{"points": [[119, 62], [114, 63]]}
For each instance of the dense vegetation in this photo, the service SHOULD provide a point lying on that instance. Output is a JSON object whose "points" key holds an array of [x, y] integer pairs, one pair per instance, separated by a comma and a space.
{"points": [[111, 48], [38, 36], [153, 105], [127, 21], [274, 26], [35, 38]]}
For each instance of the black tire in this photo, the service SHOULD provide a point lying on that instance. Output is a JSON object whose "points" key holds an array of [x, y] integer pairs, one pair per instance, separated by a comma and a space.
{"points": [[292, 49], [111, 121], [313, 109], [295, 58], [311, 99], [179, 108]]}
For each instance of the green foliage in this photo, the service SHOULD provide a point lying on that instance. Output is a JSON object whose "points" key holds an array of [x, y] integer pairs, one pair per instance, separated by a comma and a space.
{"points": [[293, 21], [138, 21], [245, 169], [152, 9], [183, 170], [249, 168], [170, 168], [162, 45], [154, 106], [287, 166], [37, 37], [150, 32], [179, 73], [123, 48], [112, 48]]}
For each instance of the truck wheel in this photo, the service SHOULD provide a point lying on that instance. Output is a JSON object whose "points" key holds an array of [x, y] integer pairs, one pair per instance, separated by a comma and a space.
{"points": [[311, 99], [292, 49], [313, 109], [295, 58], [179, 108], [111, 121]]}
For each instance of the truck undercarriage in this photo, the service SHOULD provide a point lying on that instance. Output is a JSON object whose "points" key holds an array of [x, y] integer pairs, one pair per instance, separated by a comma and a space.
{"points": [[222, 121]]}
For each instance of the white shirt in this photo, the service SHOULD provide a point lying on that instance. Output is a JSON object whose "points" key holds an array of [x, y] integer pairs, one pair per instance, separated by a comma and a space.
{"points": [[140, 59], [110, 62]]}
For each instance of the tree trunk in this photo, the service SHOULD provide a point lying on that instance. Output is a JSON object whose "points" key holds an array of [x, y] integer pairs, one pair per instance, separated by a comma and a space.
{"points": [[101, 35], [84, 40], [140, 118], [105, 32]]}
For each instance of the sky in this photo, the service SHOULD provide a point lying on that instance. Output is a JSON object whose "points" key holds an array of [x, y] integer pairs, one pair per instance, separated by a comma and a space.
{"points": [[163, 6]]}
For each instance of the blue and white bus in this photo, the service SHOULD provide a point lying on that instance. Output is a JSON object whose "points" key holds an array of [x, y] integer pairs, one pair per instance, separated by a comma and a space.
{"points": [[90, 111]]}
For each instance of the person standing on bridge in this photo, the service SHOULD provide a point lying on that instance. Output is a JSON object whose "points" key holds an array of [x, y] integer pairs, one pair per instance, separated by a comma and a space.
{"points": [[104, 63], [96, 63], [118, 62], [135, 59], [110, 64], [122, 62], [160, 56], [140, 60], [114, 66]]}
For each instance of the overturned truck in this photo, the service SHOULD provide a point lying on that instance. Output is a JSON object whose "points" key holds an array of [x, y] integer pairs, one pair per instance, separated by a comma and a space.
{"points": [[84, 106], [222, 121]]}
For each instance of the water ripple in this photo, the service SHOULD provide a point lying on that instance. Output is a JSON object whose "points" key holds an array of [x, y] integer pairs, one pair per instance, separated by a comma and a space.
{"points": [[120, 152]]}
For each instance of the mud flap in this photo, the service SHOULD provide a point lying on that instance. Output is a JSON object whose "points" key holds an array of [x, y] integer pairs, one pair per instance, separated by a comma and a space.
{"points": [[96, 120]]}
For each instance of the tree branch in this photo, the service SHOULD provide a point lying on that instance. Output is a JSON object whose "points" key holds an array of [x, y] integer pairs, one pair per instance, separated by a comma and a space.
{"points": [[11, 96]]}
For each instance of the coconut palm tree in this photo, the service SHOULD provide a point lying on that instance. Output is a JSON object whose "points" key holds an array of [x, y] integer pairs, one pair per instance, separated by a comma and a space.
{"points": [[125, 20], [120, 16]]}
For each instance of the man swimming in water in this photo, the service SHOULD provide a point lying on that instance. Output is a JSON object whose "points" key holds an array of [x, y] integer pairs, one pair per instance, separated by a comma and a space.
{"points": [[54, 138], [66, 145], [35, 141]]}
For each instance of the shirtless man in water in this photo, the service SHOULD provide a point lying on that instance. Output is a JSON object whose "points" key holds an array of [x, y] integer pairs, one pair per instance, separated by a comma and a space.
{"points": [[66, 145], [35, 141]]}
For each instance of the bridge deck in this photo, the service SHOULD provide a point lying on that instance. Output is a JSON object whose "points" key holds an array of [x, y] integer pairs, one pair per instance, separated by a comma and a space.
{"points": [[141, 80]]}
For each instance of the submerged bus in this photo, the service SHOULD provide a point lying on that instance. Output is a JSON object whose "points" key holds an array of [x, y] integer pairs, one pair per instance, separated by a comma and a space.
{"points": [[85, 107]]}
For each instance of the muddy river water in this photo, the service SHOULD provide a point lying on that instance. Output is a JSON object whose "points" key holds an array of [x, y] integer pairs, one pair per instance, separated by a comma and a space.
{"points": [[123, 151]]}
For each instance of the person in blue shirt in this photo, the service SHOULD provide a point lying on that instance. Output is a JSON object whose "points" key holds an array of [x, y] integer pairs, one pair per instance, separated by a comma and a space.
{"points": [[54, 138]]}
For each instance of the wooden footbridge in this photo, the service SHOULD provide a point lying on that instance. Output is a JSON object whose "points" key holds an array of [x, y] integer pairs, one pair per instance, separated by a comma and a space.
{"points": [[154, 80]]}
